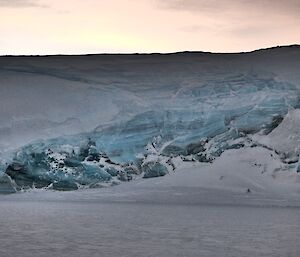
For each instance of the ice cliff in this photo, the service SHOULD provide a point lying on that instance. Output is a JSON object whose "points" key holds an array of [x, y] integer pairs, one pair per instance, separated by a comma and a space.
{"points": [[69, 122]]}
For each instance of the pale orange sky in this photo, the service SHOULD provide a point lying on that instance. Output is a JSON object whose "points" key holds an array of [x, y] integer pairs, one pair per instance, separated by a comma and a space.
{"points": [[129, 26]]}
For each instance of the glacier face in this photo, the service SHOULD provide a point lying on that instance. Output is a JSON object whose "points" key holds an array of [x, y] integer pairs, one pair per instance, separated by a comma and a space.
{"points": [[141, 112]]}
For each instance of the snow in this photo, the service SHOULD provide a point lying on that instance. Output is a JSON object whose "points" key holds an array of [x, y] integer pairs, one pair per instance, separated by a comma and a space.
{"points": [[286, 137], [156, 111], [238, 170], [217, 134], [196, 209], [40, 224]]}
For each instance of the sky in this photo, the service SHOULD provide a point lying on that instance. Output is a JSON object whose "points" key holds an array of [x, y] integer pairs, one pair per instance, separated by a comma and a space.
{"points": [[145, 26]]}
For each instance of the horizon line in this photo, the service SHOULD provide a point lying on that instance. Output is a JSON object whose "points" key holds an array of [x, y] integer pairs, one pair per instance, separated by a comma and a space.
{"points": [[153, 53]]}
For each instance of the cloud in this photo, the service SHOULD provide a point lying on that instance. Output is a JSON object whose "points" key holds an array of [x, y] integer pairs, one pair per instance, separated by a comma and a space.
{"points": [[21, 3], [237, 18], [188, 5], [216, 6], [195, 28]]}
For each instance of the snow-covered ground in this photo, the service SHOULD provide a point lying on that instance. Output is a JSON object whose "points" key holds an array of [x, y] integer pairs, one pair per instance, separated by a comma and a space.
{"points": [[187, 154], [188, 213], [197, 210]]}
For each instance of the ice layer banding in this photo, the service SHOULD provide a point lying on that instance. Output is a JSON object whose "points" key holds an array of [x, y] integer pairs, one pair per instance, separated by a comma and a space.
{"points": [[205, 122]]}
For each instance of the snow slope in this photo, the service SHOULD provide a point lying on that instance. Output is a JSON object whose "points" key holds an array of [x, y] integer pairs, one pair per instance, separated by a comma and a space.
{"points": [[285, 138]]}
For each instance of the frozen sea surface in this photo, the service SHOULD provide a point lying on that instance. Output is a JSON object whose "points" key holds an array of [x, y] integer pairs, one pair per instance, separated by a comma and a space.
{"points": [[139, 223]]}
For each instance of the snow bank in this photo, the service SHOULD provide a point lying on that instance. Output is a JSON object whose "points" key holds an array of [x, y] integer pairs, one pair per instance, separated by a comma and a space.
{"points": [[285, 138]]}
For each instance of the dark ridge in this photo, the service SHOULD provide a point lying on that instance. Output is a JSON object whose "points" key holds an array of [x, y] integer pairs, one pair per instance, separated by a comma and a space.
{"points": [[275, 48], [280, 48]]}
